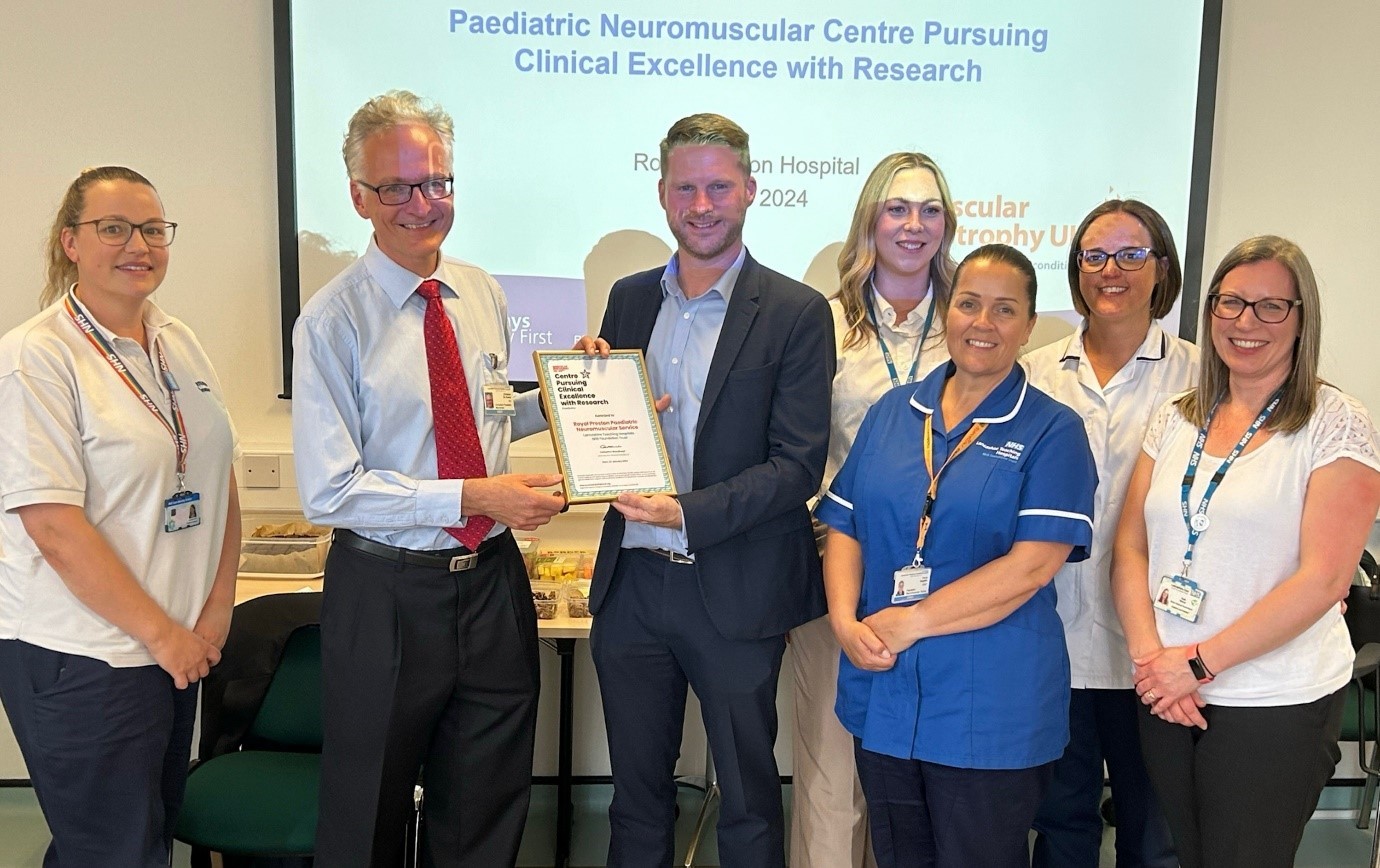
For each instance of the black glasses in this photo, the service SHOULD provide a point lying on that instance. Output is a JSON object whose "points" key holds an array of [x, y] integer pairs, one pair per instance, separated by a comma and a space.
{"points": [[1127, 259], [1267, 310], [401, 194], [117, 232]]}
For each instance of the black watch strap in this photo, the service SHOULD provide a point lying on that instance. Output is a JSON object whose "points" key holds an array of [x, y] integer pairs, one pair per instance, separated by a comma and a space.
{"points": [[1198, 668]]}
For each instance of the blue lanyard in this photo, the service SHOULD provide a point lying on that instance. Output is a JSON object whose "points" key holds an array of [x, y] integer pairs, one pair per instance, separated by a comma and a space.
{"points": [[1197, 521], [886, 351]]}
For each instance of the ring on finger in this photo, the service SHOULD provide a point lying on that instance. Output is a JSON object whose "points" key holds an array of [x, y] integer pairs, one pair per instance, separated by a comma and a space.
{"points": [[1150, 695]]}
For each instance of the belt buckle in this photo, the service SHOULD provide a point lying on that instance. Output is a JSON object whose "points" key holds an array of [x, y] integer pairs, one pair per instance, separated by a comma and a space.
{"points": [[461, 563], [674, 557]]}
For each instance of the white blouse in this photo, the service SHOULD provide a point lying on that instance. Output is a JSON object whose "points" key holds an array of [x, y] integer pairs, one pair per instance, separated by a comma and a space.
{"points": [[862, 376], [1252, 545]]}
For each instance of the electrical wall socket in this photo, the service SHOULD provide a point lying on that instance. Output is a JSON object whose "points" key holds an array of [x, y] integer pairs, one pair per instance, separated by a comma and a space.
{"points": [[261, 471]]}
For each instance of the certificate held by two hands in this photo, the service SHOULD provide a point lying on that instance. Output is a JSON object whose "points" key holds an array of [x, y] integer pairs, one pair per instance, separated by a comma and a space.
{"points": [[604, 424]]}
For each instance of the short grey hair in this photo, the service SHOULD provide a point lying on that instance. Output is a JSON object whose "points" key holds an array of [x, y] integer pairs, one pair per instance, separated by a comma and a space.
{"points": [[393, 109]]}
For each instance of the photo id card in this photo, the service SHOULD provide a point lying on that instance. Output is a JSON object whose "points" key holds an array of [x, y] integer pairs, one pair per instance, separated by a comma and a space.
{"points": [[1180, 597], [912, 584], [181, 511], [498, 400]]}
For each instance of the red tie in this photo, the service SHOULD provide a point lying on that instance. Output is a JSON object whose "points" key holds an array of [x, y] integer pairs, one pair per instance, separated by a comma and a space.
{"points": [[458, 454]]}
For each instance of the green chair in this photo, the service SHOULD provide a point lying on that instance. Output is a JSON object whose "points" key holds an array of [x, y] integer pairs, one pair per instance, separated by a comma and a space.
{"points": [[1362, 710], [261, 800]]}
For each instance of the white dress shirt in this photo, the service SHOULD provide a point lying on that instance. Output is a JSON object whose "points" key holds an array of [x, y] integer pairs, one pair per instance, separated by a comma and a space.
{"points": [[75, 434], [362, 432], [1115, 416]]}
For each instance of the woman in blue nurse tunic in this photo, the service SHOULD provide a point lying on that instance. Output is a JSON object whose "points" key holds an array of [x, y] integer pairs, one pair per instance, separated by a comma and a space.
{"points": [[962, 496]]}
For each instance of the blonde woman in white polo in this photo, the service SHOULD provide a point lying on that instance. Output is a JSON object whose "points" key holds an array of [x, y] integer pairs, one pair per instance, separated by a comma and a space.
{"points": [[119, 530]]}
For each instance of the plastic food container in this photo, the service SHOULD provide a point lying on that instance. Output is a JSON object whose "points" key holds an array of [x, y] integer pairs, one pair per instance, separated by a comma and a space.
{"points": [[282, 546], [577, 598], [546, 597], [564, 565], [528, 547]]}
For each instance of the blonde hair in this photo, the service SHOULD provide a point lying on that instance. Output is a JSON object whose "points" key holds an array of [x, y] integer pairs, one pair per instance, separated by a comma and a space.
{"points": [[707, 129], [1301, 386], [61, 271], [393, 109], [859, 255]]}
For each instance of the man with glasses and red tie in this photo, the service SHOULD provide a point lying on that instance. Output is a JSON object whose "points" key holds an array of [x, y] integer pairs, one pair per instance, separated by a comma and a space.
{"points": [[402, 415]]}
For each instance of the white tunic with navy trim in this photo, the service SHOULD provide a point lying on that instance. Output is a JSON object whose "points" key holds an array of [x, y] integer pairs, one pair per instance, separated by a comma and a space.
{"points": [[995, 698]]}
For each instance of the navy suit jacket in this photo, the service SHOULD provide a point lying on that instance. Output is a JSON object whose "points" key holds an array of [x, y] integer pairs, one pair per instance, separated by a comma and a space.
{"points": [[760, 445]]}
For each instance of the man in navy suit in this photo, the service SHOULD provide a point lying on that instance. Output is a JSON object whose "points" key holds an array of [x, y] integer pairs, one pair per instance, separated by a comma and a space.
{"points": [[701, 588]]}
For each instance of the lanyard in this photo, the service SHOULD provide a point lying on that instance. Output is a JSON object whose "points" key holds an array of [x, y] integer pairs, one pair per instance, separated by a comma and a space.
{"points": [[886, 351], [1196, 520], [175, 427], [974, 432]]}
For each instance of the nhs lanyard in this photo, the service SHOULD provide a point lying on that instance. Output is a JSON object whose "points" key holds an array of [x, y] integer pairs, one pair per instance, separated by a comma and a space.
{"points": [[176, 426], [1196, 520], [974, 432], [886, 351]]}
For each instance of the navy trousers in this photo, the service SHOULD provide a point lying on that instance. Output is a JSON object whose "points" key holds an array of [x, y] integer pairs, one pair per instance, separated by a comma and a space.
{"points": [[107, 750], [1102, 728], [653, 636], [927, 815]]}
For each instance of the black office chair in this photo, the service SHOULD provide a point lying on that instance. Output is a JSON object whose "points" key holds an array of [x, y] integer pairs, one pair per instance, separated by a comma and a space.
{"points": [[1363, 694]]}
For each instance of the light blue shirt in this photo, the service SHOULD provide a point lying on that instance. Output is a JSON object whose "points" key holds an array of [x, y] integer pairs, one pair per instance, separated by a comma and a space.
{"points": [[363, 440], [678, 356]]}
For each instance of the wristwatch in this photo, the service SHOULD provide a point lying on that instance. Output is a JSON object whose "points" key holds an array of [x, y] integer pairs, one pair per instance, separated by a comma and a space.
{"points": [[1199, 668]]}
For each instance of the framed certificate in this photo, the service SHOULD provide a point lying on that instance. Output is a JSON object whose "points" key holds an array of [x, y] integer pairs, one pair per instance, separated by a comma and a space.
{"points": [[604, 424]]}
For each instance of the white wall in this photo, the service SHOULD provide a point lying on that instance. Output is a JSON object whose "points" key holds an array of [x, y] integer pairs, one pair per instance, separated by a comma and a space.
{"points": [[1295, 154], [183, 91]]}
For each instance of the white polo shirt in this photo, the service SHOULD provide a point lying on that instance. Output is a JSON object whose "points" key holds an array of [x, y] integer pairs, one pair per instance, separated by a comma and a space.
{"points": [[73, 433], [1115, 417]]}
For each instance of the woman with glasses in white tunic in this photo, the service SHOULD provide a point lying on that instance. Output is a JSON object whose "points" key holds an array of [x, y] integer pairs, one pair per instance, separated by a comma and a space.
{"points": [[120, 530], [1243, 524], [1115, 370]]}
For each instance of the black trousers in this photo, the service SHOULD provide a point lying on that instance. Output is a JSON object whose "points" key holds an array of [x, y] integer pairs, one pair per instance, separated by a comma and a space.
{"points": [[1238, 794], [107, 750], [432, 670], [653, 636]]}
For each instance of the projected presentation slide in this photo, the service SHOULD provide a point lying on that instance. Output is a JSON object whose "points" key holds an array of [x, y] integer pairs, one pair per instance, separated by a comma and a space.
{"points": [[1036, 111]]}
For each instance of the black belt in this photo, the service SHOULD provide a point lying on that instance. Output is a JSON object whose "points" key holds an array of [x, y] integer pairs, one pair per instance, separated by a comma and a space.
{"points": [[456, 560], [673, 557]]}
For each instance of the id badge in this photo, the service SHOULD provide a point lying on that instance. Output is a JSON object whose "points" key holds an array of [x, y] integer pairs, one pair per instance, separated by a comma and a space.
{"points": [[181, 511], [498, 400], [911, 584], [1180, 597]]}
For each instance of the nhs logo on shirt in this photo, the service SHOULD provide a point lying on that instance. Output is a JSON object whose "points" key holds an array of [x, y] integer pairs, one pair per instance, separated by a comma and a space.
{"points": [[1010, 450]]}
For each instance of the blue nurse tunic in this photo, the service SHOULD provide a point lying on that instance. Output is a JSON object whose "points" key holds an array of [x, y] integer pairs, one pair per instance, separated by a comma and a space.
{"points": [[998, 697]]}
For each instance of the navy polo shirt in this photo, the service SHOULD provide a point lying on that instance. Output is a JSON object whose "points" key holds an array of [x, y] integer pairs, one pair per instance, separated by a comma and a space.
{"points": [[995, 698]]}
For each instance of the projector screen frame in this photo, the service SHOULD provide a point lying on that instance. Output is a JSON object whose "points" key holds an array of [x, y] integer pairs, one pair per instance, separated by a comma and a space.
{"points": [[289, 270]]}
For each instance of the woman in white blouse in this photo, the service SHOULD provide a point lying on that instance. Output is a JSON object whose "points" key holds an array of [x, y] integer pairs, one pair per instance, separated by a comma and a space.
{"points": [[895, 272], [1114, 371], [1243, 524]]}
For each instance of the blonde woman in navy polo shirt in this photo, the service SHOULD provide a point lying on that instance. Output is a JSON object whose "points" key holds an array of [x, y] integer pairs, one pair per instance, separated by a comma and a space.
{"points": [[961, 498]]}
